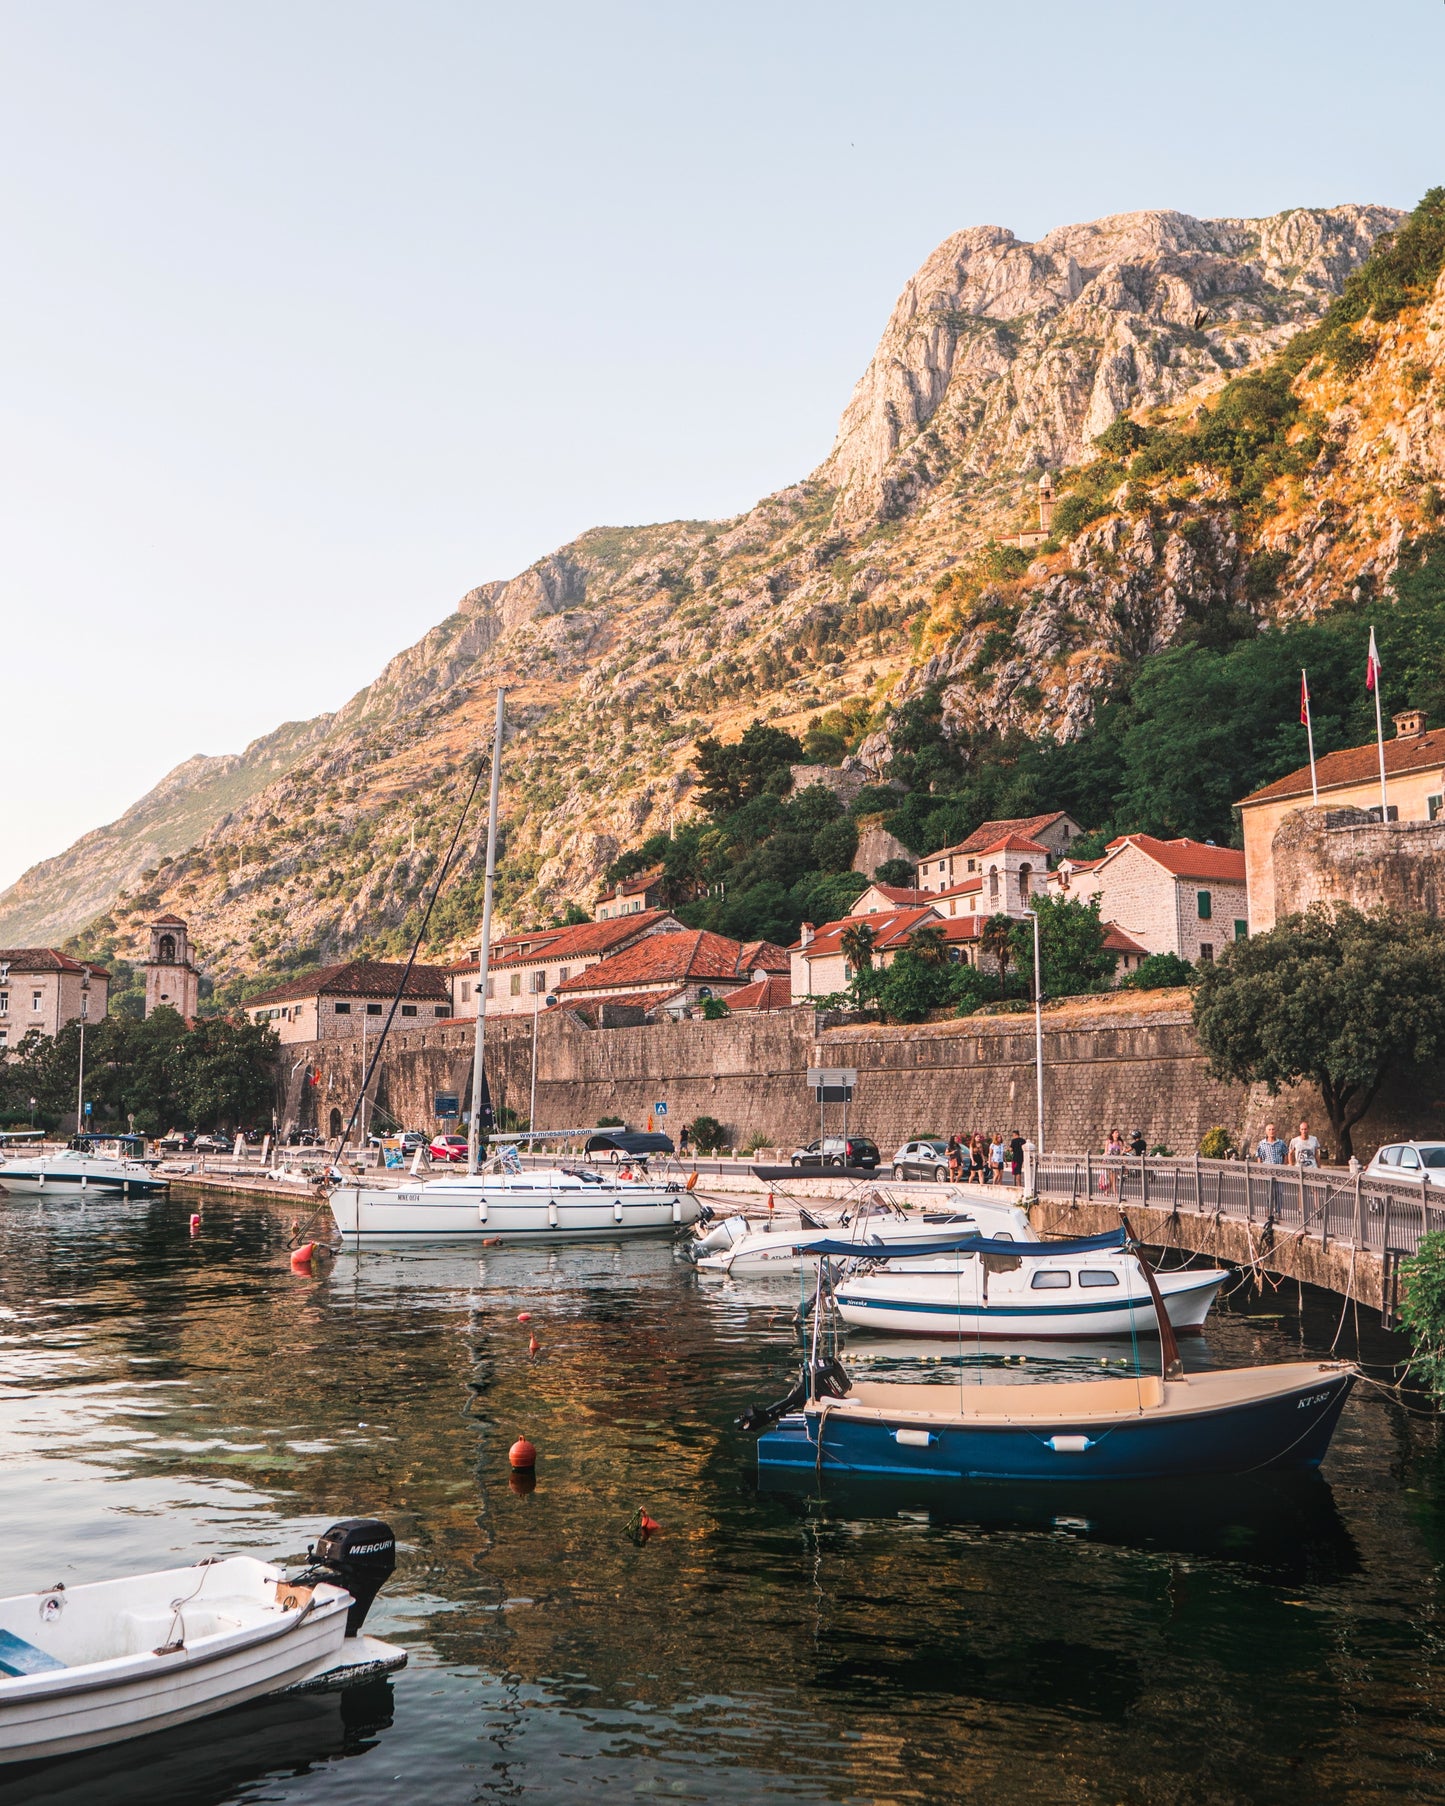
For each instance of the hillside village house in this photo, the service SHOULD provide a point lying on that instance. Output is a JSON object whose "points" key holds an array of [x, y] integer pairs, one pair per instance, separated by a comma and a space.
{"points": [[1350, 779], [1051, 836], [343, 1000], [633, 896], [1170, 896], [670, 973], [43, 989], [523, 969]]}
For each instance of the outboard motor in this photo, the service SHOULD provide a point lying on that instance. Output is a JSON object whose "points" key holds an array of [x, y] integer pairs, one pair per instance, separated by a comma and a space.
{"points": [[358, 1554]]}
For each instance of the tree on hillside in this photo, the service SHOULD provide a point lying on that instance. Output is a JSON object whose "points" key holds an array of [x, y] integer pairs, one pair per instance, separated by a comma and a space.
{"points": [[731, 775], [1340, 999], [1071, 947], [996, 939]]}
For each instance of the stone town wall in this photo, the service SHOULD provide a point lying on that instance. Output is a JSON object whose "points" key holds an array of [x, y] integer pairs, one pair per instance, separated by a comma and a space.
{"points": [[1106, 1067], [1341, 856]]}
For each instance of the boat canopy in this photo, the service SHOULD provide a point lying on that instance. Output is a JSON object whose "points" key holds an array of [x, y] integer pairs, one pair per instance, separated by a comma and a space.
{"points": [[973, 1244]]}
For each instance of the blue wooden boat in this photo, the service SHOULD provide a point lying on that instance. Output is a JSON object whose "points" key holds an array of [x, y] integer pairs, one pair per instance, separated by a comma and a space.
{"points": [[1170, 1425]]}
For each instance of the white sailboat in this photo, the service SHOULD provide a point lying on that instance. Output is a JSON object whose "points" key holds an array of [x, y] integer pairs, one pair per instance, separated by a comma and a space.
{"points": [[739, 1244]]}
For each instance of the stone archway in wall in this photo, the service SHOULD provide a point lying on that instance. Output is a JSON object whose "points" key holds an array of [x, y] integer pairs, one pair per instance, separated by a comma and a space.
{"points": [[335, 1126]]}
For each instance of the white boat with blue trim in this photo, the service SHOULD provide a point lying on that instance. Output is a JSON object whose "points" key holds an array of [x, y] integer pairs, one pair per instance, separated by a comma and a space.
{"points": [[544, 1204], [785, 1242], [116, 1166], [993, 1293]]}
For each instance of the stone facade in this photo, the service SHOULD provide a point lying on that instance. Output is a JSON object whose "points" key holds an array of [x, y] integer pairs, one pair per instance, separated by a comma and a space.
{"points": [[42, 989], [1166, 911], [1107, 1065], [1348, 856], [172, 981]]}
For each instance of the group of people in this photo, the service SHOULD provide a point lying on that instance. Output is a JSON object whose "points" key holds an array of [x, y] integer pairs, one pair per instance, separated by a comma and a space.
{"points": [[985, 1159], [1116, 1143]]}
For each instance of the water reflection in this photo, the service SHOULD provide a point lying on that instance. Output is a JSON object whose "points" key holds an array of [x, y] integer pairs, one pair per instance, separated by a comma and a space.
{"points": [[168, 1396]]}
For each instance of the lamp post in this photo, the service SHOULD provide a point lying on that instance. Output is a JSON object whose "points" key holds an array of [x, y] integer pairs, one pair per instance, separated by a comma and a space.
{"points": [[1038, 1032]]}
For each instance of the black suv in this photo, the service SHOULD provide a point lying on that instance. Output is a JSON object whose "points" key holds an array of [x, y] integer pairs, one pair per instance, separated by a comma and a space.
{"points": [[833, 1150]]}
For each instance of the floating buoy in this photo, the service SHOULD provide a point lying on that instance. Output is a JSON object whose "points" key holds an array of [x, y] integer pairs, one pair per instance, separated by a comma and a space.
{"points": [[301, 1258], [524, 1316], [533, 1346], [195, 1221], [640, 1526], [491, 1241], [522, 1455], [522, 1480]]}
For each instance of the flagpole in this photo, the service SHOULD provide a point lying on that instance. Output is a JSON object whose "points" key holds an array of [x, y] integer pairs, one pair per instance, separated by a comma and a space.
{"points": [[1310, 734], [1379, 726], [484, 952]]}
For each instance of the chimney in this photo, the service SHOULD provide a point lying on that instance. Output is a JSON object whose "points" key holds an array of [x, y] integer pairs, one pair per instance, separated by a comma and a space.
{"points": [[806, 934], [1409, 724]]}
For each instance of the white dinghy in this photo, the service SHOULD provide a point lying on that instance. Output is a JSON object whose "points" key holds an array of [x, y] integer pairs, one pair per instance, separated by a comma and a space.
{"points": [[86, 1666]]}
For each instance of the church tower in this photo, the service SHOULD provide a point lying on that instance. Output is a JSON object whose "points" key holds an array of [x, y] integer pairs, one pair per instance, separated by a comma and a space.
{"points": [[172, 981]]}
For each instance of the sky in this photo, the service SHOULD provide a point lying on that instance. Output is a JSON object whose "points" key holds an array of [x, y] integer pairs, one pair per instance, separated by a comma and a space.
{"points": [[318, 314]]}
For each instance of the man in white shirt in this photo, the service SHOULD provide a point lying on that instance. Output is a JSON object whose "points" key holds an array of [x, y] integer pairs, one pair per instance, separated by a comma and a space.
{"points": [[1272, 1148], [1304, 1150]]}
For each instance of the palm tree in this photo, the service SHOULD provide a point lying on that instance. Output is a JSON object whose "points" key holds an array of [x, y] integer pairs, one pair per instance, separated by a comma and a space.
{"points": [[857, 945], [996, 939], [929, 945]]}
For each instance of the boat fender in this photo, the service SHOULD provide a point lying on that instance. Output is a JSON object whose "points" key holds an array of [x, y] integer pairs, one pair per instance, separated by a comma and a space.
{"points": [[1070, 1445], [358, 1554], [551, 1213], [482, 1210], [617, 1210], [914, 1439], [301, 1257], [676, 1211]]}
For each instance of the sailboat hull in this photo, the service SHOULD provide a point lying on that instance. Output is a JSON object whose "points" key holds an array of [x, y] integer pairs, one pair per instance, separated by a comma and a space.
{"points": [[1244, 1420], [454, 1211]]}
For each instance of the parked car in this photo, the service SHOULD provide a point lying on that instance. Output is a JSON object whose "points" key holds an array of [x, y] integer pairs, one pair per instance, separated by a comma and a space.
{"points": [[448, 1147], [1410, 1160], [833, 1150], [177, 1142], [213, 1144], [926, 1159]]}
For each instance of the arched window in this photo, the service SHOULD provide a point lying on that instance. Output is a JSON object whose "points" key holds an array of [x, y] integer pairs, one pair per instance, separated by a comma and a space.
{"points": [[993, 884], [335, 1127], [1026, 873], [166, 950]]}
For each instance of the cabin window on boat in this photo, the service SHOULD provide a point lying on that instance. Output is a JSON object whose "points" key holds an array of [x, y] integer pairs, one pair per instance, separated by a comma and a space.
{"points": [[1090, 1278], [1050, 1280]]}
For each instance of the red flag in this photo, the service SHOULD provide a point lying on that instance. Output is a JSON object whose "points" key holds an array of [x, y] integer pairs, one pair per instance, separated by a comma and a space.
{"points": [[1304, 700], [1372, 666]]}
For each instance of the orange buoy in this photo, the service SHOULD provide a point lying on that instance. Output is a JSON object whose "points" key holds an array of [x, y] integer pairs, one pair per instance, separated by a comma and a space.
{"points": [[648, 1524], [524, 1316], [533, 1346], [522, 1455], [301, 1258]]}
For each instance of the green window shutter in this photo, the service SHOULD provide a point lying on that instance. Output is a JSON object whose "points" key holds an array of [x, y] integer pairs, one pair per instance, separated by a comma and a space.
{"points": [[1241, 929], [1206, 905]]}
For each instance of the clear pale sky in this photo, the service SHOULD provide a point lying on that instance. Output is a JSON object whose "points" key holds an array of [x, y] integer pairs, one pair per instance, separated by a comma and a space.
{"points": [[317, 314]]}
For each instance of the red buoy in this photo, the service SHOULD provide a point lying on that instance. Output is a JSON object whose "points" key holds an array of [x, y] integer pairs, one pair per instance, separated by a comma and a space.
{"points": [[524, 1316], [195, 1222], [522, 1455], [533, 1346], [301, 1259]]}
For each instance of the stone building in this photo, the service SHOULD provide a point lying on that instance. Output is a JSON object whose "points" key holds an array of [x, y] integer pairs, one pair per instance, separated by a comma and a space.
{"points": [[172, 981], [1049, 837], [339, 1001], [670, 973], [1349, 856], [632, 897], [1185, 897], [524, 969], [43, 989], [1349, 780]]}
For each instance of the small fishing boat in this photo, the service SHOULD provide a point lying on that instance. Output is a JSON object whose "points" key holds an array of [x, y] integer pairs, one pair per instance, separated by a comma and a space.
{"points": [[86, 1666], [526, 1205], [114, 1165], [995, 1291], [1171, 1425], [786, 1243]]}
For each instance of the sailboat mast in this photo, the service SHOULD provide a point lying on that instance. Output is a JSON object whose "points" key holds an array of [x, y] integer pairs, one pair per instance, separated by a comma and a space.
{"points": [[474, 1135]]}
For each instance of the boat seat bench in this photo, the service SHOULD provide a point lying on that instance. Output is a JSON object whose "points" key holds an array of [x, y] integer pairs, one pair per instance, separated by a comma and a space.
{"points": [[19, 1658]]}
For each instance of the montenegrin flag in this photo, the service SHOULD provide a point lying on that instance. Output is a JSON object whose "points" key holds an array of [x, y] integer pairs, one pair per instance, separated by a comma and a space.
{"points": [[1372, 666]]}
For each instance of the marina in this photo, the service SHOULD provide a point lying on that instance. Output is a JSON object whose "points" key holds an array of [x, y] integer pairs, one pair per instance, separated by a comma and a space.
{"points": [[172, 1393]]}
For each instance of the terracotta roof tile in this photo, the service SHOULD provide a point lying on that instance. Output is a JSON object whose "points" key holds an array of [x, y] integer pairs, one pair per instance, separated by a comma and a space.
{"points": [[891, 927], [1187, 858], [1358, 765], [695, 953], [989, 833], [763, 994], [167, 921], [573, 942], [47, 959], [1116, 941], [360, 978]]}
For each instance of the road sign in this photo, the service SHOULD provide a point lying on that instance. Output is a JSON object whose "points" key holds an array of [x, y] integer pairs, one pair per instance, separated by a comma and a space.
{"points": [[660, 1107], [833, 1084], [445, 1103]]}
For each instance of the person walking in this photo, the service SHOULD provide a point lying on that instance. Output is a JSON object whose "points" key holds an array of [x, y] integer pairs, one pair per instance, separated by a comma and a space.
{"points": [[997, 1154], [1304, 1149], [979, 1154], [951, 1152], [1016, 1157], [1272, 1150]]}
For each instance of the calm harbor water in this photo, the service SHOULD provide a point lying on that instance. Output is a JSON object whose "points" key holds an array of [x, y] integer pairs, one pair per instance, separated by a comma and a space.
{"points": [[169, 1395]]}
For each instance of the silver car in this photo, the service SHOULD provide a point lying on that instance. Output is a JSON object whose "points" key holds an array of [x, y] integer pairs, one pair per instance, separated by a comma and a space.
{"points": [[925, 1159], [1417, 1160]]}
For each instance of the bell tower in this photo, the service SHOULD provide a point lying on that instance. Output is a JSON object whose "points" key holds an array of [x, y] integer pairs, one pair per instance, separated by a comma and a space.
{"points": [[172, 982]]}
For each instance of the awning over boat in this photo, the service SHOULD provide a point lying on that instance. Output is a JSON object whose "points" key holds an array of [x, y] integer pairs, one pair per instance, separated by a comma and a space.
{"points": [[969, 1244]]}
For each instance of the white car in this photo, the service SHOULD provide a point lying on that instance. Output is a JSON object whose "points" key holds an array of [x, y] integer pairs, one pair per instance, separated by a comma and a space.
{"points": [[927, 1159], [1410, 1160]]}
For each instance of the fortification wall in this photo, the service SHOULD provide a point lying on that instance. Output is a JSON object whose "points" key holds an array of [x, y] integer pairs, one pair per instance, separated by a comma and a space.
{"points": [[1342, 856]]}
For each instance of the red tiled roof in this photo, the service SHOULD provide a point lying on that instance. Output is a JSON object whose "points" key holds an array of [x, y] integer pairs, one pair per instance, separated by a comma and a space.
{"points": [[1358, 765], [904, 895], [167, 921], [763, 994], [767, 955], [695, 953], [1187, 858], [891, 927], [1116, 941], [360, 978], [47, 959], [989, 833], [1013, 843], [566, 943], [587, 1007], [629, 887]]}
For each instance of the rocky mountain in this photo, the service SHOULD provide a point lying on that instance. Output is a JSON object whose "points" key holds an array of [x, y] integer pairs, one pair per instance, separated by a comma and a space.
{"points": [[1002, 360]]}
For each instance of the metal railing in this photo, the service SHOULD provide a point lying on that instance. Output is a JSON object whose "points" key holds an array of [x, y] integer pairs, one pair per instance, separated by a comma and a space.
{"points": [[1386, 1217]]}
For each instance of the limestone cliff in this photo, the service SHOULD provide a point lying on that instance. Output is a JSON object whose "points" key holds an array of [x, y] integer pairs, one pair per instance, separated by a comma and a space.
{"points": [[1001, 359]]}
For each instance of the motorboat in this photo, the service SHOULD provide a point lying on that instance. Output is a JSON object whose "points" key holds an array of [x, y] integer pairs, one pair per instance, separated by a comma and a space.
{"points": [[96, 1664], [996, 1292], [1169, 1425], [114, 1165], [522, 1205], [786, 1243]]}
